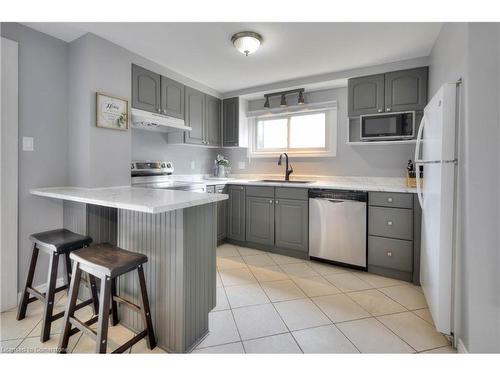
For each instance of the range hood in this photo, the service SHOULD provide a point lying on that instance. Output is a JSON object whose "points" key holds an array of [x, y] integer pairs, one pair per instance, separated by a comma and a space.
{"points": [[157, 122]]}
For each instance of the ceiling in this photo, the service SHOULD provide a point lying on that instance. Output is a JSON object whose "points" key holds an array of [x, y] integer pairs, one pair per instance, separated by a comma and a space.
{"points": [[204, 53]]}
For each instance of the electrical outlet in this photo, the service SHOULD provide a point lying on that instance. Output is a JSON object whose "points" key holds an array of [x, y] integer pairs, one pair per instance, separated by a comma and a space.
{"points": [[28, 144], [241, 165], [193, 164]]}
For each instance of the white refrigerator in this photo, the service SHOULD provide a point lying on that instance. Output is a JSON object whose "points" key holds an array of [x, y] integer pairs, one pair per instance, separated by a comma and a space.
{"points": [[435, 150]]}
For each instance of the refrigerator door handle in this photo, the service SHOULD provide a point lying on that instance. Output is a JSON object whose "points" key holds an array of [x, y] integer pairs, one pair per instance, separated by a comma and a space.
{"points": [[417, 155]]}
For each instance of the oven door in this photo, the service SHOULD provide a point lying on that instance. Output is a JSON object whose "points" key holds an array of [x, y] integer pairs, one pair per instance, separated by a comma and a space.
{"points": [[389, 126]]}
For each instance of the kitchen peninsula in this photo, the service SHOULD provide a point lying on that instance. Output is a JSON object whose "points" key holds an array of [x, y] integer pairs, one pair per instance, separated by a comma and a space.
{"points": [[176, 230]]}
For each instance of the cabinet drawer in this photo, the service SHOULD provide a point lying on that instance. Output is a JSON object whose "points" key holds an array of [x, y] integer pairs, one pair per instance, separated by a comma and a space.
{"points": [[390, 222], [400, 200], [260, 191], [291, 193], [390, 253]]}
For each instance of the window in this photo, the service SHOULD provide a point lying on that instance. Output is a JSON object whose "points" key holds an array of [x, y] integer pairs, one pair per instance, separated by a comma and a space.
{"points": [[303, 134]]}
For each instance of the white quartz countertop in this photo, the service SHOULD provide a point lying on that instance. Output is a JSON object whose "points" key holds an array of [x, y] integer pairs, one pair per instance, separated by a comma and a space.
{"points": [[131, 198], [387, 184]]}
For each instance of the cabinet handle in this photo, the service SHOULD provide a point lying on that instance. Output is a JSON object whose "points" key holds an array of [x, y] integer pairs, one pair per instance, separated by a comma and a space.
{"points": [[389, 223], [389, 199], [271, 201], [388, 109], [389, 253]]}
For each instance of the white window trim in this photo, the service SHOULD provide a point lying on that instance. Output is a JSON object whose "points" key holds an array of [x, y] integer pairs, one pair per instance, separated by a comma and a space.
{"points": [[331, 137]]}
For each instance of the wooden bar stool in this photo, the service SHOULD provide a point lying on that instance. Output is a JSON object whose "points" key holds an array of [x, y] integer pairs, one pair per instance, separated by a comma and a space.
{"points": [[107, 262], [54, 243]]}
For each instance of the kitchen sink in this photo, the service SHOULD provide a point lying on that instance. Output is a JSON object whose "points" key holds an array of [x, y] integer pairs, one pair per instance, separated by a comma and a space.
{"points": [[290, 182]]}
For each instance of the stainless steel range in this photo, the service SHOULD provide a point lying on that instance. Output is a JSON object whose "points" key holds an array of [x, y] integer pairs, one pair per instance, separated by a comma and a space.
{"points": [[159, 175]]}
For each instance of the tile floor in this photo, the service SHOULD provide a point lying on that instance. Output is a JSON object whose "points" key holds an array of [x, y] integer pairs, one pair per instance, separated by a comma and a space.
{"points": [[269, 303]]}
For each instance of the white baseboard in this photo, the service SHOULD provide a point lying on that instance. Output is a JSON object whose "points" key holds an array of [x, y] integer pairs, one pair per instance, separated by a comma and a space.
{"points": [[461, 347], [42, 288]]}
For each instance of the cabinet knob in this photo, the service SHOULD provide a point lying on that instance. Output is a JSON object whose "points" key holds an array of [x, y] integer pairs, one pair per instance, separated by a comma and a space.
{"points": [[158, 110], [276, 202], [271, 201], [389, 199], [389, 253], [389, 223], [164, 111], [388, 109], [379, 110]]}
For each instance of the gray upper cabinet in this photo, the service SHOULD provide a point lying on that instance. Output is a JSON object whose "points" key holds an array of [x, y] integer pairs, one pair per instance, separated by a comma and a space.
{"points": [[291, 223], [236, 212], [230, 134], [212, 120], [172, 98], [366, 95], [260, 220], [406, 90], [195, 116], [146, 89]]}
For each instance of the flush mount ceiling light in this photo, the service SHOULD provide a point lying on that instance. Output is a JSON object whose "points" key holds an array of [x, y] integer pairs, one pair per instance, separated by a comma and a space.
{"points": [[246, 42], [283, 94]]}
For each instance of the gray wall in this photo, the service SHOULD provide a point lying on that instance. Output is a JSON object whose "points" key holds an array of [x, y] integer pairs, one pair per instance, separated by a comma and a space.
{"points": [[472, 51], [364, 160], [43, 92], [147, 145]]}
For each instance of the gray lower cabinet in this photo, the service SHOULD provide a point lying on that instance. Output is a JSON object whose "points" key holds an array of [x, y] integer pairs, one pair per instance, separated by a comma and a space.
{"points": [[221, 216], [236, 213], [146, 89], [212, 120], [366, 95], [230, 124], [291, 224], [406, 90], [260, 220], [195, 116], [172, 98]]}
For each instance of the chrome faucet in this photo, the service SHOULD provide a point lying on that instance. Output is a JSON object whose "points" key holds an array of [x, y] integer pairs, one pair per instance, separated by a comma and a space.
{"points": [[288, 168]]}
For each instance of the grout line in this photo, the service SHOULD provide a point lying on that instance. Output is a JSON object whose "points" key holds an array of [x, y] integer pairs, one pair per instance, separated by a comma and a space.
{"points": [[232, 314]]}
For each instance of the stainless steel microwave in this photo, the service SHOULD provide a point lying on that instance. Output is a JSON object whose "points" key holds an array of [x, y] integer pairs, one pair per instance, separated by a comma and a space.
{"points": [[387, 126]]}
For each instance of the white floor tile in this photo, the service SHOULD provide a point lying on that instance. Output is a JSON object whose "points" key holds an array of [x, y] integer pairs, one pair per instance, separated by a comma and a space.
{"points": [[348, 282], [237, 276], [269, 273], [377, 281], [443, 350], [340, 308], [230, 263], [414, 330], [371, 336], [283, 343], [259, 260], [283, 290], [283, 259], [142, 348], [246, 295], [406, 295], [227, 250], [327, 269], [9, 346], [222, 329], [244, 251], [32, 345], [233, 348], [425, 314], [316, 286], [300, 314], [299, 270], [11, 329], [326, 339], [258, 321], [222, 302], [375, 302]]}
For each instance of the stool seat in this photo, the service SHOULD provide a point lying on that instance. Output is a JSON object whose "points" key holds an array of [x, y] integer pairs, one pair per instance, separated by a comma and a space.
{"points": [[61, 241], [108, 260]]}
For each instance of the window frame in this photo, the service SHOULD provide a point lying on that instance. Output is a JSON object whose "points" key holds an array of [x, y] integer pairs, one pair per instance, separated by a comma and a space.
{"points": [[330, 136]]}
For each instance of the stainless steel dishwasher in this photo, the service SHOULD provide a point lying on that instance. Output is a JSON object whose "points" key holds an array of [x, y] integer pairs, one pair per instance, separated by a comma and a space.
{"points": [[337, 226]]}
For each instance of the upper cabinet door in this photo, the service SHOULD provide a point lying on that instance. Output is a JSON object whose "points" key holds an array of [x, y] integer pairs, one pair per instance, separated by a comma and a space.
{"points": [[195, 116], [213, 120], [172, 98], [366, 95], [145, 89], [230, 132], [406, 90]]}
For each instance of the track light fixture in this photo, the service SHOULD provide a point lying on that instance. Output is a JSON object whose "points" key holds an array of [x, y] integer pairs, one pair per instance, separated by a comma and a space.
{"points": [[283, 94]]}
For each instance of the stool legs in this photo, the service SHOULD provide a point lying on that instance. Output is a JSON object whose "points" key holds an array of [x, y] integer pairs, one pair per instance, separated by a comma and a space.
{"points": [[70, 308], [49, 297], [102, 323], [114, 304], [93, 291], [145, 312], [21, 312]]}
